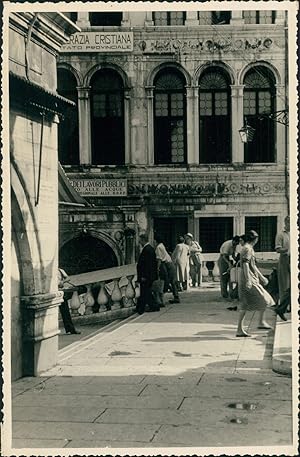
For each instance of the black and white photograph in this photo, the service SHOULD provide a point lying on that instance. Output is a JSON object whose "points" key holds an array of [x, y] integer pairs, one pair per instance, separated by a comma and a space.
{"points": [[150, 238]]}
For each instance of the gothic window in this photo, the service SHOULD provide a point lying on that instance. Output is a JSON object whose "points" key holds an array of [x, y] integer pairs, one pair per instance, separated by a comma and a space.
{"points": [[259, 102], [169, 17], [214, 117], [169, 118], [68, 128], [213, 231], [266, 227], [105, 19], [107, 106], [259, 17]]}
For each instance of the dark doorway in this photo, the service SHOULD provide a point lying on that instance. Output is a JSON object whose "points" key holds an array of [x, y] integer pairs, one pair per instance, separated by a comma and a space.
{"points": [[86, 253], [213, 231], [170, 228]]}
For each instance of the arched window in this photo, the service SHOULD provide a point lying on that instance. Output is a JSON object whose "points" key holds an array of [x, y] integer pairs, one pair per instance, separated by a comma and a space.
{"points": [[259, 102], [169, 117], [107, 106], [68, 128], [105, 19], [214, 117]]}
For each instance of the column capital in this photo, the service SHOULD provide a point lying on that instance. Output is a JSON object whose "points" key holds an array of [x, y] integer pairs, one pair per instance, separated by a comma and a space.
{"points": [[237, 90], [83, 91], [149, 91]]}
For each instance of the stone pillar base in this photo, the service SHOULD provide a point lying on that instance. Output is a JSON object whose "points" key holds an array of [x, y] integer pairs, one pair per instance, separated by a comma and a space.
{"points": [[40, 332]]}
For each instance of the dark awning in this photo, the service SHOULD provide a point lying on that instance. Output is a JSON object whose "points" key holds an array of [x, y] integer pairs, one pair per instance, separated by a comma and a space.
{"points": [[67, 195], [28, 92]]}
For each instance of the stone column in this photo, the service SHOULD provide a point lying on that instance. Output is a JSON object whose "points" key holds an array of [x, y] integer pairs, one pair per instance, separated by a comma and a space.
{"points": [[148, 20], [127, 123], [196, 125], [237, 17], [237, 121], [84, 115], [191, 18], [83, 20], [150, 129], [129, 244], [190, 125], [280, 137], [40, 326], [125, 19]]}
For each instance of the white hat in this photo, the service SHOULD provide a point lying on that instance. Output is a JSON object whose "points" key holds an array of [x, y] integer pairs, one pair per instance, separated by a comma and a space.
{"points": [[189, 235]]}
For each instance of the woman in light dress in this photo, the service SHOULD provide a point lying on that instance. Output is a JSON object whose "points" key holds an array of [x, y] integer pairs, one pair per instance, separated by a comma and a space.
{"points": [[180, 259], [253, 296]]}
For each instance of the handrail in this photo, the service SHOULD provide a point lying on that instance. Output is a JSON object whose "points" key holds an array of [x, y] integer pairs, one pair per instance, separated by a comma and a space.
{"points": [[98, 276]]}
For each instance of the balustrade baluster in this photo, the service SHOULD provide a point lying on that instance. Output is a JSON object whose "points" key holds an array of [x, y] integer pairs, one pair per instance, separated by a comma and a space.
{"points": [[89, 300], [75, 303], [130, 292], [216, 272], [102, 298], [116, 295], [205, 272]]}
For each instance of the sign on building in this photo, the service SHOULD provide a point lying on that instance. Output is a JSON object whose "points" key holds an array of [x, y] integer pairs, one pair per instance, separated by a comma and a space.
{"points": [[100, 187], [99, 42]]}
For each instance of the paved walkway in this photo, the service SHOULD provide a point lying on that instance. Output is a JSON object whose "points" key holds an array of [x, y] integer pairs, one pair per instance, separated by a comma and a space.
{"points": [[175, 378]]}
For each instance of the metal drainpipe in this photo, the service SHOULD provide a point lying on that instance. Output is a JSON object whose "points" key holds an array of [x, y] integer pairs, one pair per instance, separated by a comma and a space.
{"points": [[27, 42]]}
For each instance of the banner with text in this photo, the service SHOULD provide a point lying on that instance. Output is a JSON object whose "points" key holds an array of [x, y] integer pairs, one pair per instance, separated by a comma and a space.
{"points": [[99, 42], [100, 187]]}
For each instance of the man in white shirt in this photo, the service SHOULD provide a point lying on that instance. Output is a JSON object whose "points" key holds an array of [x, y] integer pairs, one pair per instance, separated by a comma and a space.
{"points": [[225, 263], [166, 268]]}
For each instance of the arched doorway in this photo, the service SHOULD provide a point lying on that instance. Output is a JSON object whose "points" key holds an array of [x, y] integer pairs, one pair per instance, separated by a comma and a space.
{"points": [[86, 253]]}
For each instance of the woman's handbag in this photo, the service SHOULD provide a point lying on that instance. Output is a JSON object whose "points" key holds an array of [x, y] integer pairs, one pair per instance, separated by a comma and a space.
{"points": [[234, 274]]}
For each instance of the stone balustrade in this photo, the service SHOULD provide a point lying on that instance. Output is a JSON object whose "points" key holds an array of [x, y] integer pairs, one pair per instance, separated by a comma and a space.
{"points": [[102, 290], [210, 269]]}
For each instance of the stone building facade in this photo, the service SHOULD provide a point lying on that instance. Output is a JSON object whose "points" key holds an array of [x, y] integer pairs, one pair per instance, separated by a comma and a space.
{"points": [[34, 111], [161, 97]]}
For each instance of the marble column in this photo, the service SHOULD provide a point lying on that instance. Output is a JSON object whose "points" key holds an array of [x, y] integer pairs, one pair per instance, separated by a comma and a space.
{"points": [[237, 122], [280, 137], [84, 115], [196, 125], [125, 19], [127, 123], [83, 20], [191, 18], [40, 326], [280, 17], [150, 129], [149, 19], [190, 125], [237, 17]]}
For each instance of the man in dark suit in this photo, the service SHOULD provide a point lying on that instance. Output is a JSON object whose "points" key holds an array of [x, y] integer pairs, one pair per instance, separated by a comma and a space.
{"points": [[146, 274]]}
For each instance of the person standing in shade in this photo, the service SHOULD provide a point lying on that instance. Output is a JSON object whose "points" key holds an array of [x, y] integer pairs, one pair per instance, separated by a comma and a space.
{"points": [[146, 275], [253, 296], [166, 268], [63, 278], [194, 259], [282, 246], [180, 259], [225, 263]]}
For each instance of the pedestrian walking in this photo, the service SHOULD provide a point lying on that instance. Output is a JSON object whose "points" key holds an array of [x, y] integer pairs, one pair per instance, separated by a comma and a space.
{"points": [[253, 296], [146, 275], [166, 269], [225, 263], [63, 278], [282, 246], [180, 259], [195, 259]]}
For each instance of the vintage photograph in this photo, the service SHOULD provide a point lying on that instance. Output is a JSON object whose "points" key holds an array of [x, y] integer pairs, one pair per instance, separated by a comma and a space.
{"points": [[149, 210]]}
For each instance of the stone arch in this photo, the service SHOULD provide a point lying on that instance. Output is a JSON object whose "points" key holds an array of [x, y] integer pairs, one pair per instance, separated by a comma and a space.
{"points": [[167, 65], [24, 223], [69, 67], [99, 240], [214, 64], [260, 63], [106, 66]]}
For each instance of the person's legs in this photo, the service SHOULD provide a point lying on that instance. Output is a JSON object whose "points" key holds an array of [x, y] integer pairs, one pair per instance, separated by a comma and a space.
{"points": [[240, 330], [66, 317], [261, 322], [141, 303], [172, 279], [193, 273], [224, 277]]}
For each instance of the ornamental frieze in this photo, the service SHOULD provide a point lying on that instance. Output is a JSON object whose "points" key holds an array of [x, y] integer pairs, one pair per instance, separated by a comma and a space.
{"points": [[210, 189], [175, 45]]}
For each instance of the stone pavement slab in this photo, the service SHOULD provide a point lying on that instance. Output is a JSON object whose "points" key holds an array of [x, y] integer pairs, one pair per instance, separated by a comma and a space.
{"points": [[179, 377]]}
